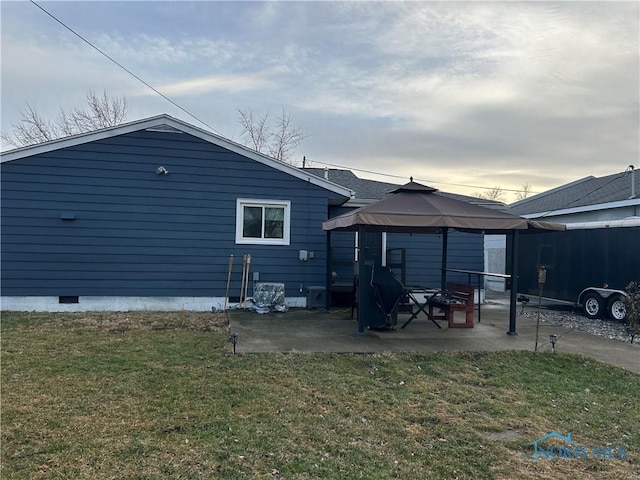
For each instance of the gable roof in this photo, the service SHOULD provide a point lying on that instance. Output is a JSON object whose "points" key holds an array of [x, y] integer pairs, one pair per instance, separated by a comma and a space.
{"points": [[166, 122], [367, 191], [585, 194]]}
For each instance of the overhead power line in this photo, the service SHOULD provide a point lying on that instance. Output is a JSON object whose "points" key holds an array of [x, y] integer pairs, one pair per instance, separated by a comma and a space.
{"points": [[622, 174], [419, 179], [155, 90], [125, 68]]}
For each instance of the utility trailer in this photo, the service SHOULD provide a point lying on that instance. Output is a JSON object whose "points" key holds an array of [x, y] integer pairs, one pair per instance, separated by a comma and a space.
{"points": [[590, 265]]}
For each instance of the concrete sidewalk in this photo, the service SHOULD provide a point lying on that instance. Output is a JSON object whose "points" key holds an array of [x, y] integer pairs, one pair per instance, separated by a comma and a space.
{"points": [[300, 330]]}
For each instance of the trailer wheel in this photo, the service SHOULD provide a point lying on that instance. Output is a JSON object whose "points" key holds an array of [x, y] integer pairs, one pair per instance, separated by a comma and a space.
{"points": [[593, 305], [617, 308]]}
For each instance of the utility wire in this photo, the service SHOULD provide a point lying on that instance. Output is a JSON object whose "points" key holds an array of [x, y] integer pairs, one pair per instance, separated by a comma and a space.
{"points": [[125, 68], [214, 130], [419, 179], [551, 212]]}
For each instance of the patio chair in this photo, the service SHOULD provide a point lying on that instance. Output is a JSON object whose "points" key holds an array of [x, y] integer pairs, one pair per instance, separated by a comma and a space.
{"points": [[388, 294]]}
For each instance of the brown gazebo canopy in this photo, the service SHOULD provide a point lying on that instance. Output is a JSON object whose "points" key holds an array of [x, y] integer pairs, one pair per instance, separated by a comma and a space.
{"points": [[417, 208]]}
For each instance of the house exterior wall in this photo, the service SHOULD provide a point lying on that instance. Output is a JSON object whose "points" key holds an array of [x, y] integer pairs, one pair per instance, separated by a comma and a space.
{"points": [[96, 221], [424, 256], [342, 251]]}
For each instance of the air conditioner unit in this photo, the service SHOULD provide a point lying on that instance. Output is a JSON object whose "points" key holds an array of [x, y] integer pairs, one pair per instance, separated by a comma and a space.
{"points": [[316, 297]]}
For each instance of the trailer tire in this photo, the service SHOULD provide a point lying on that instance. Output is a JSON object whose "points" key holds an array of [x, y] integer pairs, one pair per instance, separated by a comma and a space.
{"points": [[617, 309], [593, 305]]}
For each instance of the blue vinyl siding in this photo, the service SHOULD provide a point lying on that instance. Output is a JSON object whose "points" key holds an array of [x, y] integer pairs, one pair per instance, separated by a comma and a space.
{"points": [[424, 256], [136, 233], [343, 251]]}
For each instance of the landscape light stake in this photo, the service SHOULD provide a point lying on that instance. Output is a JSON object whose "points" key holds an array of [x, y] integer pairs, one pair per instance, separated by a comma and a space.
{"points": [[233, 338], [542, 278], [553, 338], [631, 332]]}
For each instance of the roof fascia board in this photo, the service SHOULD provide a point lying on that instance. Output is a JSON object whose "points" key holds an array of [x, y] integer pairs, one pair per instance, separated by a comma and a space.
{"points": [[259, 157], [585, 208], [358, 202], [81, 138], [623, 223], [160, 120]]}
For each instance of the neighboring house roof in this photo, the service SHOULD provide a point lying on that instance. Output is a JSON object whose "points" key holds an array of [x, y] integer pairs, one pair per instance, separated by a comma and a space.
{"points": [[585, 194], [367, 191], [167, 122]]}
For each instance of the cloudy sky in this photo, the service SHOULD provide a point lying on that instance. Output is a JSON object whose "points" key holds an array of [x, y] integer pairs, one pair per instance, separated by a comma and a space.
{"points": [[460, 95]]}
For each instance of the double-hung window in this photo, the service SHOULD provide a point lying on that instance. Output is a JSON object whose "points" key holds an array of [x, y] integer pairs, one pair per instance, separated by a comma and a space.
{"points": [[263, 222]]}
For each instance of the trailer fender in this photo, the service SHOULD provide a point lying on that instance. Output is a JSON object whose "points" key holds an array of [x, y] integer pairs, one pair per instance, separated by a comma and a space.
{"points": [[603, 292]]}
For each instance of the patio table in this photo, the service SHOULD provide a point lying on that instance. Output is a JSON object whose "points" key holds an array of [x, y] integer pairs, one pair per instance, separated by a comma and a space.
{"points": [[412, 293]]}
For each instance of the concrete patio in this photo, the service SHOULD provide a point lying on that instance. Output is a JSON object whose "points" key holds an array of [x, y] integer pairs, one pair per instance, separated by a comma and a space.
{"points": [[301, 330]]}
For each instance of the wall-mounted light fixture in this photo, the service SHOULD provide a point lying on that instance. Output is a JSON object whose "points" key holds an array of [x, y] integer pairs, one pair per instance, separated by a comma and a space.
{"points": [[162, 171]]}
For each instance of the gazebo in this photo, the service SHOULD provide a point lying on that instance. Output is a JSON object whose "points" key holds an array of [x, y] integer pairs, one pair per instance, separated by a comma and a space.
{"points": [[417, 208]]}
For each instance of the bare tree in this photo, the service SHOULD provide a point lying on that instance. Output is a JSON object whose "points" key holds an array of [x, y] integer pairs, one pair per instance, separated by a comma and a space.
{"points": [[255, 131], [496, 193], [285, 138], [524, 192], [31, 129], [279, 142], [100, 112]]}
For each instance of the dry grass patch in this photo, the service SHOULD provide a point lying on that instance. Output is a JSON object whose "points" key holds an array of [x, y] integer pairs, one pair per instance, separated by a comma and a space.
{"points": [[114, 322]]}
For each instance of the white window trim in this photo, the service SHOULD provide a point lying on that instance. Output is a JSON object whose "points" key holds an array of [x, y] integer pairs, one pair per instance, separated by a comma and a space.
{"points": [[252, 202]]}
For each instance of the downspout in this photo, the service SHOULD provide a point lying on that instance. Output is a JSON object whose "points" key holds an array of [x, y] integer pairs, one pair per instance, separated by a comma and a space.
{"points": [[384, 249], [328, 275], [362, 284]]}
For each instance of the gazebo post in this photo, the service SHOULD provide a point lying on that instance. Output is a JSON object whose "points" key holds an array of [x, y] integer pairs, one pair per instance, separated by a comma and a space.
{"points": [[445, 243], [328, 276], [362, 283], [513, 298]]}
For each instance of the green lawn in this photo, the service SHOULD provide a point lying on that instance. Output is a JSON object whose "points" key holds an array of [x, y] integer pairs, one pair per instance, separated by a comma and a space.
{"points": [[151, 395]]}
